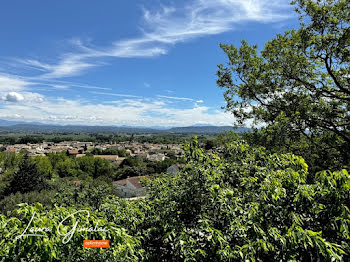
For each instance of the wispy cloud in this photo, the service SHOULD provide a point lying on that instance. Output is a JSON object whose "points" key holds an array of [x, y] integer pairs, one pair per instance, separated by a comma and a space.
{"points": [[181, 98], [176, 98], [208, 17], [165, 28], [69, 65], [60, 83], [113, 94], [12, 83], [60, 86]]}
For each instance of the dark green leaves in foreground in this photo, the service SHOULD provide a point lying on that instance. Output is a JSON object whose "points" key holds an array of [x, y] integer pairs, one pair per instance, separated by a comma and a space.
{"points": [[250, 205]]}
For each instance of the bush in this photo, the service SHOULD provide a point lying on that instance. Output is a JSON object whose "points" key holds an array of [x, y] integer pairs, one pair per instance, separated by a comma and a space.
{"points": [[10, 202]]}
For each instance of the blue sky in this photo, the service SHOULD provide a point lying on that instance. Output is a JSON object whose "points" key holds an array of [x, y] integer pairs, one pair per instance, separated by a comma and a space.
{"points": [[135, 63]]}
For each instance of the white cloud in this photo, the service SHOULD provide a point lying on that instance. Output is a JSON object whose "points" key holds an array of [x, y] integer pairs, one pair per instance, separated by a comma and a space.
{"points": [[111, 94], [69, 65], [137, 112], [23, 97], [12, 83], [176, 98], [66, 84], [209, 17], [33, 97], [13, 97], [60, 86]]}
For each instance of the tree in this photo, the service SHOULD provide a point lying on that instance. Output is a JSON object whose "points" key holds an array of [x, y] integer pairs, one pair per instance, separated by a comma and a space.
{"points": [[301, 79], [44, 166], [131, 171], [10, 161], [30, 139], [247, 205], [27, 178], [66, 167], [209, 144], [132, 137], [97, 151], [110, 151], [121, 152], [133, 162], [56, 158], [227, 137], [102, 167]]}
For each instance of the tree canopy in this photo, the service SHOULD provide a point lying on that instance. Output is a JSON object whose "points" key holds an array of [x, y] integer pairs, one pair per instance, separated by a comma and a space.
{"points": [[299, 83], [27, 178]]}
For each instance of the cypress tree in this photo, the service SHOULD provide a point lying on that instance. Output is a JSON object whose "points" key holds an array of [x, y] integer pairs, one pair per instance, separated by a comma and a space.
{"points": [[27, 178]]}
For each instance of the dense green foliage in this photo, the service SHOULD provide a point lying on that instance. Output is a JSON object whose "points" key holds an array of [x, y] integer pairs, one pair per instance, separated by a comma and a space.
{"points": [[135, 166], [298, 85], [109, 151], [27, 178], [167, 138], [51, 248]]}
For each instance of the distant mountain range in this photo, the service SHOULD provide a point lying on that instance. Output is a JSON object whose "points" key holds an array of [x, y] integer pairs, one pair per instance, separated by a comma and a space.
{"points": [[207, 129], [17, 126], [12, 123]]}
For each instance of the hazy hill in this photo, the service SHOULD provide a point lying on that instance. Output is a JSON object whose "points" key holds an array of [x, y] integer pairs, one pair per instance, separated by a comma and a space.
{"points": [[13, 126], [206, 129]]}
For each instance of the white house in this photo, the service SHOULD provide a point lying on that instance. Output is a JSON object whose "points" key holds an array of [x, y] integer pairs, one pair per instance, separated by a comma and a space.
{"points": [[130, 187]]}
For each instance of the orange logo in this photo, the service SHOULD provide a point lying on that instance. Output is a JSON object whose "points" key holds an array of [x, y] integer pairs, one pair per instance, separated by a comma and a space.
{"points": [[96, 243]]}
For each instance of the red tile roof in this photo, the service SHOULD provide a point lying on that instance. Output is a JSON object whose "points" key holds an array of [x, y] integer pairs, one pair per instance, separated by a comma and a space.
{"points": [[121, 182], [135, 181], [73, 152]]}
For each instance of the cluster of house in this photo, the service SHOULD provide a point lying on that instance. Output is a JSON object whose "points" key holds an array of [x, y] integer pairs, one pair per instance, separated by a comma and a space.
{"points": [[126, 188], [48, 147], [151, 152]]}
